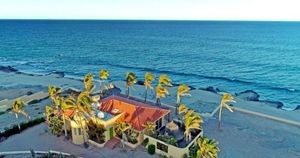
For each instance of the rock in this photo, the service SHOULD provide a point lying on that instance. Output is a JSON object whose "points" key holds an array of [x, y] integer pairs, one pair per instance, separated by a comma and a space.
{"points": [[7, 69], [59, 74], [114, 91], [248, 95], [211, 89], [140, 83], [275, 104], [297, 108], [29, 93], [70, 91]]}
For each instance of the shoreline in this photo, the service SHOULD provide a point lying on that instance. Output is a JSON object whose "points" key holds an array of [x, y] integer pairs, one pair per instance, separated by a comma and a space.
{"points": [[249, 95], [240, 128]]}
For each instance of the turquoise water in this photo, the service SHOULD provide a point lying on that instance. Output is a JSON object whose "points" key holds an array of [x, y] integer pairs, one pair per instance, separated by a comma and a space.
{"points": [[233, 56]]}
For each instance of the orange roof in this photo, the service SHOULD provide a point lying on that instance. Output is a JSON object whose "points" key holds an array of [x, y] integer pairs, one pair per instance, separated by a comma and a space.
{"points": [[69, 113], [136, 113]]}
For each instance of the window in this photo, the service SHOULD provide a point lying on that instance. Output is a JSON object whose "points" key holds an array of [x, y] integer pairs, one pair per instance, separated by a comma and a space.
{"points": [[158, 123], [79, 131], [162, 147], [75, 131]]}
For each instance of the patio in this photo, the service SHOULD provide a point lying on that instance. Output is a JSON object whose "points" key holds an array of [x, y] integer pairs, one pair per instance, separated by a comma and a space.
{"points": [[166, 133]]}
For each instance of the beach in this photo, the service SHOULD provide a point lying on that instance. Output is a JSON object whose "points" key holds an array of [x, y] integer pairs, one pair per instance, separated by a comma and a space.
{"points": [[241, 134]]}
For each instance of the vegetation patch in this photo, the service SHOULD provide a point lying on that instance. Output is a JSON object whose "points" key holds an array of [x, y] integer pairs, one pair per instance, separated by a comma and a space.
{"points": [[15, 130], [96, 132], [151, 149], [35, 101], [145, 142]]}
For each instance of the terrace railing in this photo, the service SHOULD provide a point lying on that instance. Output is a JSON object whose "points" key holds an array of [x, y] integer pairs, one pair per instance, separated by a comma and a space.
{"points": [[33, 152]]}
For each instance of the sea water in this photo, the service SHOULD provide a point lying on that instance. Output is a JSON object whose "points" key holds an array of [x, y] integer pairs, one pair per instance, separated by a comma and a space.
{"points": [[231, 55]]}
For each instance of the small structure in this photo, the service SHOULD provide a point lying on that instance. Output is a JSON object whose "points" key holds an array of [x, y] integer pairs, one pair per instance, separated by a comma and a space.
{"points": [[172, 126]]}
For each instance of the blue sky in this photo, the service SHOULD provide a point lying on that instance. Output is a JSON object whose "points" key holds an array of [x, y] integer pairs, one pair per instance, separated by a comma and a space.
{"points": [[152, 9]]}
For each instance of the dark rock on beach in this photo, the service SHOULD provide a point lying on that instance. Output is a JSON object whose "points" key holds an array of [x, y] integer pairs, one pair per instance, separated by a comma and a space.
{"points": [[211, 89], [297, 108], [70, 91], [8, 69], [29, 93], [59, 74], [275, 104], [248, 95], [140, 83]]}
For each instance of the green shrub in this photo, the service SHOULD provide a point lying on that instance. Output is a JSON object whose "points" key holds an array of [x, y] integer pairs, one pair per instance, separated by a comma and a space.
{"points": [[151, 149], [168, 139], [96, 132], [185, 155], [145, 142], [15, 129], [193, 151], [55, 125], [35, 101]]}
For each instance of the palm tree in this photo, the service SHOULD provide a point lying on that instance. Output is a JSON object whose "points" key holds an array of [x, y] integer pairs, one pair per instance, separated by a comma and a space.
{"points": [[149, 78], [191, 121], [88, 82], [103, 75], [82, 107], [17, 109], [67, 104], [165, 80], [121, 127], [149, 127], [207, 148], [225, 99], [161, 92], [54, 95], [182, 109], [131, 79], [181, 91]]}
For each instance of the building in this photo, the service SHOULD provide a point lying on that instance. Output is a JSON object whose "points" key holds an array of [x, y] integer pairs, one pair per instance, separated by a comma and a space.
{"points": [[117, 108]]}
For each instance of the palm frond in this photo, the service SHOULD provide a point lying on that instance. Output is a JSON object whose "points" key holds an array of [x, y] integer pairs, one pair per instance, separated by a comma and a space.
{"points": [[165, 80], [104, 74]]}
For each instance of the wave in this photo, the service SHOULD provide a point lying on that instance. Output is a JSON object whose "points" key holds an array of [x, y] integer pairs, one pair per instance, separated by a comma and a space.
{"points": [[145, 69], [233, 80]]}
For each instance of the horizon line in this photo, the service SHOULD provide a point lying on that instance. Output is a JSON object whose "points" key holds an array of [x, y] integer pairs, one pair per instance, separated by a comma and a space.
{"points": [[103, 19]]}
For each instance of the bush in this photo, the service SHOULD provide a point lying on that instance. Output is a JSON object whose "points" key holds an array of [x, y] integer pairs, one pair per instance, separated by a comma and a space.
{"points": [[55, 125], [132, 136], [35, 101], [193, 151], [185, 155], [96, 132], [15, 129], [145, 142], [151, 149]]}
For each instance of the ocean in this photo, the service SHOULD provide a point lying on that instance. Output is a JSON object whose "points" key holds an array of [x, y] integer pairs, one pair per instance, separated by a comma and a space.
{"points": [[232, 55]]}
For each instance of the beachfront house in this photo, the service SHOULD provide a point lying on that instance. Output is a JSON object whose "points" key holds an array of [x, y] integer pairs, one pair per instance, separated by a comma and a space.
{"points": [[168, 137]]}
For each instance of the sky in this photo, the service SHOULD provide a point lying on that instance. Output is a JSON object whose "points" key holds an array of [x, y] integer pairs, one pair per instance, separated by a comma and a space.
{"points": [[272, 10]]}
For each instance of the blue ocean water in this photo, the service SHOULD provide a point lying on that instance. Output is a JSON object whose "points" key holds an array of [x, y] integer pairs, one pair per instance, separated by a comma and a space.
{"points": [[233, 56]]}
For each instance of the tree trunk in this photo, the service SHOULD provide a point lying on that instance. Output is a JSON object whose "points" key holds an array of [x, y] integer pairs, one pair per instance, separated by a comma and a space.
{"points": [[220, 116], [128, 92], [146, 91], [65, 128], [100, 92], [158, 101], [178, 101], [18, 123]]}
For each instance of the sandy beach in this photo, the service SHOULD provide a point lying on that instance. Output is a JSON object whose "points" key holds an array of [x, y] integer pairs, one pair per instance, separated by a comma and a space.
{"points": [[242, 135]]}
